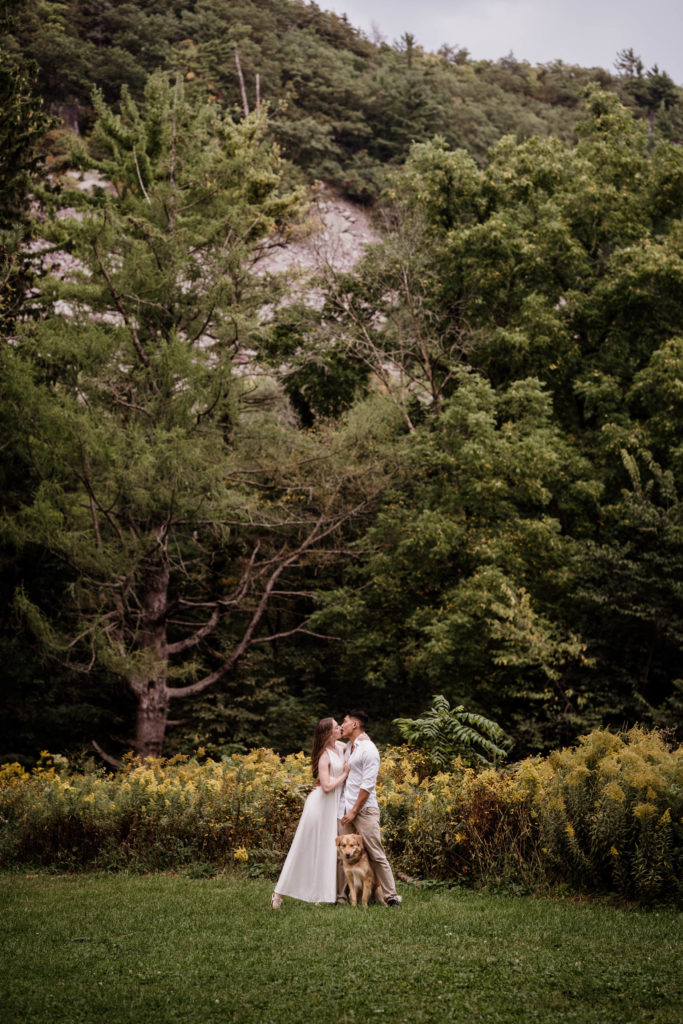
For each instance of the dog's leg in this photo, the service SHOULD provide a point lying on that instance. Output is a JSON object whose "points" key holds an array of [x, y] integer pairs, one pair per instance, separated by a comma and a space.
{"points": [[353, 895], [367, 890]]}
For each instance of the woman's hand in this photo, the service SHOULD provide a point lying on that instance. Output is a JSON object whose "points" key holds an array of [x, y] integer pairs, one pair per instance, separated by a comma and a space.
{"points": [[345, 769]]}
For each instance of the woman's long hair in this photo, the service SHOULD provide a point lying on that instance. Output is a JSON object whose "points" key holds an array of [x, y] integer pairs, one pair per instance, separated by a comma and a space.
{"points": [[323, 731]]}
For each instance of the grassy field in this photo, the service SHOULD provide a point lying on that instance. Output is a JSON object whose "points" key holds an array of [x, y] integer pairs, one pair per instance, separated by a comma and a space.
{"points": [[125, 949]]}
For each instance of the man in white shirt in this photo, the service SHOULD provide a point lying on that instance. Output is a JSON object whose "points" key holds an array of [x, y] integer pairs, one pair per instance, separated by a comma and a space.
{"points": [[358, 805]]}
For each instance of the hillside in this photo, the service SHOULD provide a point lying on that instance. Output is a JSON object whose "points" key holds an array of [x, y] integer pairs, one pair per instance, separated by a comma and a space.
{"points": [[340, 107]]}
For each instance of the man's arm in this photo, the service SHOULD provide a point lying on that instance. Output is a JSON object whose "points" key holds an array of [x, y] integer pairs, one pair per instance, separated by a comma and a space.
{"points": [[369, 768], [359, 804]]}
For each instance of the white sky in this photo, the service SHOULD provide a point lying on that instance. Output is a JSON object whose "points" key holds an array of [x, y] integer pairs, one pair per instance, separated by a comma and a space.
{"points": [[585, 32]]}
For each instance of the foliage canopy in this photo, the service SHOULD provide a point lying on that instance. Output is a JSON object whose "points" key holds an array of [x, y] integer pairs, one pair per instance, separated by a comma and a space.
{"points": [[455, 470]]}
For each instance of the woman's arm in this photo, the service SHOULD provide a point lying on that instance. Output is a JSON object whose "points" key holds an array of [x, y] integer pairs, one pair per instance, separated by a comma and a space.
{"points": [[327, 783]]}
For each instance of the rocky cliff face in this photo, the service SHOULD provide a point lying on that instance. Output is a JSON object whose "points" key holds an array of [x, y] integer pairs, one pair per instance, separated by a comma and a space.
{"points": [[335, 235]]}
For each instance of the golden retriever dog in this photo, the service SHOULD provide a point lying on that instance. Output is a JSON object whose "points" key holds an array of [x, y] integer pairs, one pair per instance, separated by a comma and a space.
{"points": [[359, 872]]}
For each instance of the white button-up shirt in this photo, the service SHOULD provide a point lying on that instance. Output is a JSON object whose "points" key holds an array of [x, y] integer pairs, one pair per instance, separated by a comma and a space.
{"points": [[363, 768]]}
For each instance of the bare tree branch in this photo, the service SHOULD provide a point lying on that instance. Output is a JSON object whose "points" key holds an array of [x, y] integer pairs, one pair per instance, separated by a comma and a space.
{"points": [[296, 631], [107, 758], [142, 184], [321, 529], [197, 637], [245, 103]]}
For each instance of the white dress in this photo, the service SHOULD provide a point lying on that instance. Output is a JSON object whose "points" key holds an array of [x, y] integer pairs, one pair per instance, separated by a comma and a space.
{"points": [[310, 870]]}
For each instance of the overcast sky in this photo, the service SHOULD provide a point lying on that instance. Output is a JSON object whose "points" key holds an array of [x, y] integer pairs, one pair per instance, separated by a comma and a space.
{"points": [[585, 32]]}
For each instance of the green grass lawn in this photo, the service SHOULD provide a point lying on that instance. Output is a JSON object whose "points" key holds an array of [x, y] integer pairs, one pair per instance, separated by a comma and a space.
{"points": [[176, 950]]}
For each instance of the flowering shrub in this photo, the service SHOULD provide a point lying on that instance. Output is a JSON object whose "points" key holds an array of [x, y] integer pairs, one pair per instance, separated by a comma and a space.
{"points": [[151, 816], [465, 824], [604, 816], [610, 813]]}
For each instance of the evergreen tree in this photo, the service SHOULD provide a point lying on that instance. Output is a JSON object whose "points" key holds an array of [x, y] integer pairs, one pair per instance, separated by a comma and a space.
{"points": [[175, 497], [23, 125]]}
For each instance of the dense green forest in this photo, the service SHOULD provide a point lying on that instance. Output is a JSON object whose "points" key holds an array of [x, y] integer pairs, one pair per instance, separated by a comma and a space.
{"points": [[340, 107], [457, 470]]}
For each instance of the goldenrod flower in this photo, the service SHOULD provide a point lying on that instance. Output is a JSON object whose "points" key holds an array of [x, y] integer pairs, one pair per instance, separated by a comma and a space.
{"points": [[643, 811], [615, 792]]}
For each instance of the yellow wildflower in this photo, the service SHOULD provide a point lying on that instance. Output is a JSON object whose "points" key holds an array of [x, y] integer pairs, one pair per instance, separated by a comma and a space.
{"points": [[642, 811], [615, 792]]}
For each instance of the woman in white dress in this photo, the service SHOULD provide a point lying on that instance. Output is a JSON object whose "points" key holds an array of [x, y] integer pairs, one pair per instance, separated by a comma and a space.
{"points": [[310, 870]]}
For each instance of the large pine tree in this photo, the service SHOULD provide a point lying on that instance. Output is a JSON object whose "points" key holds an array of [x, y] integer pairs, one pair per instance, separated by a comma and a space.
{"points": [[174, 500]]}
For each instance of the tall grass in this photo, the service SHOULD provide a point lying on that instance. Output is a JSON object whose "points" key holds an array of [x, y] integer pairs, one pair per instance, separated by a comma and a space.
{"points": [[98, 949]]}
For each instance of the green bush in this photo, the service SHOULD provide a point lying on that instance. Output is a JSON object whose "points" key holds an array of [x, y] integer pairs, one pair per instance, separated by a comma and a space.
{"points": [[601, 817], [467, 824], [610, 813], [154, 816]]}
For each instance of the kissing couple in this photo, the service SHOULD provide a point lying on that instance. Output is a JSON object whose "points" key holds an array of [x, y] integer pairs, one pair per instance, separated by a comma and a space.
{"points": [[342, 803]]}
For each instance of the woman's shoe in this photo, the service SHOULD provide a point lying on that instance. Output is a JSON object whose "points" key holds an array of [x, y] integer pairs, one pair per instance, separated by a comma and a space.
{"points": [[275, 901]]}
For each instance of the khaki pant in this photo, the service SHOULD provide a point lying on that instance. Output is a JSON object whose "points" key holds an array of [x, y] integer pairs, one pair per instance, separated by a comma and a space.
{"points": [[366, 824]]}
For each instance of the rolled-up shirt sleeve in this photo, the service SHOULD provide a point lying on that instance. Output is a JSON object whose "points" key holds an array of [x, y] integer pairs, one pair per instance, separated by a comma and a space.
{"points": [[363, 768], [370, 765]]}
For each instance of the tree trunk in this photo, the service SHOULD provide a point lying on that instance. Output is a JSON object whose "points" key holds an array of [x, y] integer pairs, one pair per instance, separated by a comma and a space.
{"points": [[152, 691], [152, 714]]}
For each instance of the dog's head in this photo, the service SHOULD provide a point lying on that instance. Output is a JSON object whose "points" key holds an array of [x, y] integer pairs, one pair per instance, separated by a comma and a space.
{"points": [[350, 848]]}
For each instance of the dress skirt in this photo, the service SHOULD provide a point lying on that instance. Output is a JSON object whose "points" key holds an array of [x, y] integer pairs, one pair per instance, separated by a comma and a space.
{"points": [[310, 870]]}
